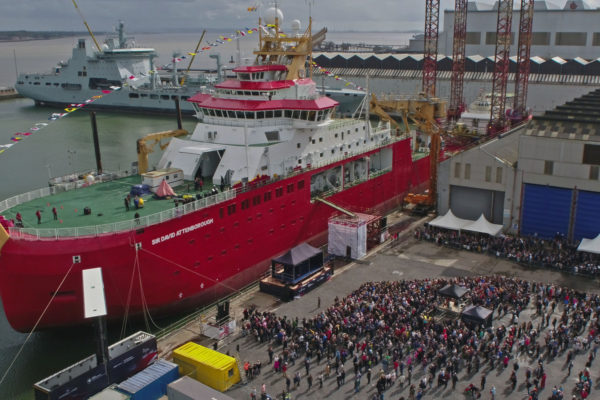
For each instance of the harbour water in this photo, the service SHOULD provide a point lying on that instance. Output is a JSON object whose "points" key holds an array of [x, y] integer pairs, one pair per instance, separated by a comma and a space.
{"points": [[65, 146]]}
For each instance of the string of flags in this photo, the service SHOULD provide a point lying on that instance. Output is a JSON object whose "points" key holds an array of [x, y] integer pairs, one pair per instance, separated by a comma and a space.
{"points": [[36, 127], [336, 77], [20, 136]]}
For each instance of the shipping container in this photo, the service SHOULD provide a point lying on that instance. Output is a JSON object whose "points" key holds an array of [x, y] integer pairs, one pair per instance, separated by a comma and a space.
{"points": [[186, 388], [151, 383], [85, 378], [217, 370], [110, 393]]}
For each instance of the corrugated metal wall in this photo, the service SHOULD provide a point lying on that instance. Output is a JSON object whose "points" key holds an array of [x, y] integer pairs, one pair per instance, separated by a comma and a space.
{"points": [[546, 210], [587, 215]]}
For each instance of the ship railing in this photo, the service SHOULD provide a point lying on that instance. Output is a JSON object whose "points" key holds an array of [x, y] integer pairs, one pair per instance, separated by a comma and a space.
{"points": [[121, 226]]}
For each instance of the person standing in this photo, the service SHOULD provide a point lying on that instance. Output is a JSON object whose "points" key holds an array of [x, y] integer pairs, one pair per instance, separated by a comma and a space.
{"points": [[19, 219], [493, 392], [482, 381], [126, 201], [38, 214], [319, 302], [55, 213]]}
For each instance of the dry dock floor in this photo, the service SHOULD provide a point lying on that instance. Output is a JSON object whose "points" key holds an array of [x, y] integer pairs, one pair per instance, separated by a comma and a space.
{"points": [[407, 259]]}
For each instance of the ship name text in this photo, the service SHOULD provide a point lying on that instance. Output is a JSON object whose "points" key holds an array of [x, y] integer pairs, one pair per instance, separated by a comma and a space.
{"points": [[180, 232]]}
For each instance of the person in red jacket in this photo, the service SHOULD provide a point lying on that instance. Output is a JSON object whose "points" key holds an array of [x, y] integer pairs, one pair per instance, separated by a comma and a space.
{"points": [[38, 214]]}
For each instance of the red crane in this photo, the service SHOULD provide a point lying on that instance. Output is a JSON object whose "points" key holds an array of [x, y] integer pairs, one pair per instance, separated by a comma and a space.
{"points": [[523, 61], [497, 117], [432, 17], [457, 103]]}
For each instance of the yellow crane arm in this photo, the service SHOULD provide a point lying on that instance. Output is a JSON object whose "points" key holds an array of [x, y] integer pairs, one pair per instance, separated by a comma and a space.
{"points": [[192, 59], [146, 145]]}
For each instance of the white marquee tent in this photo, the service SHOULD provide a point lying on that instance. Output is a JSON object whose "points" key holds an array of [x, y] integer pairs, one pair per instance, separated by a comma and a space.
{"points": [[482, 225], [449, 221], [590, 245]]}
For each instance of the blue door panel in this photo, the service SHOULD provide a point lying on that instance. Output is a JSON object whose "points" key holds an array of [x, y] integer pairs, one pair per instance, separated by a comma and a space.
{"points": [[587, 216], [546, 210]]}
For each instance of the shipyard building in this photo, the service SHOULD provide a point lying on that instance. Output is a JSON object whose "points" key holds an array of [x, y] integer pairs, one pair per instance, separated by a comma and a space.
{"points": [[567, 31], [541, 179]]}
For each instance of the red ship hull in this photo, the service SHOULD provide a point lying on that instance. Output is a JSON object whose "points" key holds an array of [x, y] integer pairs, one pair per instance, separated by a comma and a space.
{"points": [[187, 261]]}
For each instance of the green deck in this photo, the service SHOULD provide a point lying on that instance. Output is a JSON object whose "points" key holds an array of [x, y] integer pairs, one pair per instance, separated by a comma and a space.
{"points": [[106, 201]]}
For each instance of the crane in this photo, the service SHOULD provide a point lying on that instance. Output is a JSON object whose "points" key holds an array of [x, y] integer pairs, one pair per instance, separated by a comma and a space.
{"points": [[146, 145], [430, 49], [457, 103], [423, 112], [500, 78], [523, 60]]}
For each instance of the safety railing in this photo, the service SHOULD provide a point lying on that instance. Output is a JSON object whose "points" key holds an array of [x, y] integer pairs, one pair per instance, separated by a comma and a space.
{"points": [[120, 226]]}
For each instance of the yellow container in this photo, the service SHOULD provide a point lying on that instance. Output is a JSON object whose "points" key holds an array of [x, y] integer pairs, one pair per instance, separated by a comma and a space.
{"points": [[214, 369]]}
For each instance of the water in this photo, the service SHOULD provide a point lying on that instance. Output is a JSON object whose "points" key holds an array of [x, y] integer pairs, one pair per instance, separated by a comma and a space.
{"points": [[65, 146]]}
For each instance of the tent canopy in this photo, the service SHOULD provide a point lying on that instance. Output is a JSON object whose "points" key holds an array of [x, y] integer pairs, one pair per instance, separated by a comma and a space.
{"points": [[454, 291], [590, 245], [482, 225], [477, 314], [449, 221], [164, 189], [298, 254]]}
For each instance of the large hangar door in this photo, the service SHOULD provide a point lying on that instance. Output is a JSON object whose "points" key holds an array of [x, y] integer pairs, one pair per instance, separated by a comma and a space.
{"points": [[469, 203], [587, 216], [546, 210]]}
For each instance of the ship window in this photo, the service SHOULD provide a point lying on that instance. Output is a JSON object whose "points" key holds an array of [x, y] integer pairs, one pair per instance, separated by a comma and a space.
{"points": [[321, 154], [279, 192], [278, 113], [298, 145], [290, 188], [260, 114], [313, 141], [249, 114], [231, 209], [239, 114], [335, 136], [144, 94], [332, 151], [320, 140], [164, 96], [267, 196], [244, 77], [36, 83], [300, 162], [272, 136], [304, 115], [300, 185], [48, 84], [185, 97], [68, 86], [269, 114], [79, 73], [256, 200], [56, 84], [245, 204], [288, 113], [221, 212], [174, 97], [230, 114], [219, 113], [296, 114]]}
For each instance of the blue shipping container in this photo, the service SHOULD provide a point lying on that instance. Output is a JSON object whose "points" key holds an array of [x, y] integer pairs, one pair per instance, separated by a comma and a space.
{"points": [[151, 383]]}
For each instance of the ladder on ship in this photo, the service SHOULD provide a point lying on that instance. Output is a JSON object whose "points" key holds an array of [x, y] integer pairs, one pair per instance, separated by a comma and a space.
{"points": [[341, 209]]}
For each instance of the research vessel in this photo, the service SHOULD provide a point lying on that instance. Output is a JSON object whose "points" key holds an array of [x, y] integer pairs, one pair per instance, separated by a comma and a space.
{"points": [[266, 167]]}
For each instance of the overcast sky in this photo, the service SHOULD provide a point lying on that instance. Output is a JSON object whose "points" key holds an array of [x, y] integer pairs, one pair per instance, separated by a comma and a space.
{"points": [[195, 15], [167, 15]]}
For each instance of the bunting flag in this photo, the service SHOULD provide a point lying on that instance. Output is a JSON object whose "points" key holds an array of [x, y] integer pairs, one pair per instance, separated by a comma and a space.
{"points": [[336, 77], [20, 136]]}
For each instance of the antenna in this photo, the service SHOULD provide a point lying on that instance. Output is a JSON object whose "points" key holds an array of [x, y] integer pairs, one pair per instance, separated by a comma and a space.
{"points": [[87, 26]]}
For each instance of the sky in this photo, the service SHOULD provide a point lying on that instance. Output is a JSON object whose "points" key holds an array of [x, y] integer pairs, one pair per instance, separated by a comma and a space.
{"points": [[195, 15]]}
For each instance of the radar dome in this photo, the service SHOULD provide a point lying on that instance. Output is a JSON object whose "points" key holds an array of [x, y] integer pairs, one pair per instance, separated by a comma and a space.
{"points": [[271, 14], [296, 25]]}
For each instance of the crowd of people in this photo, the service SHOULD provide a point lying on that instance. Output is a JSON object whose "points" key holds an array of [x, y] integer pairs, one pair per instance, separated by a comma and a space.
{"points": [[556, 253], [391, 333]]}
